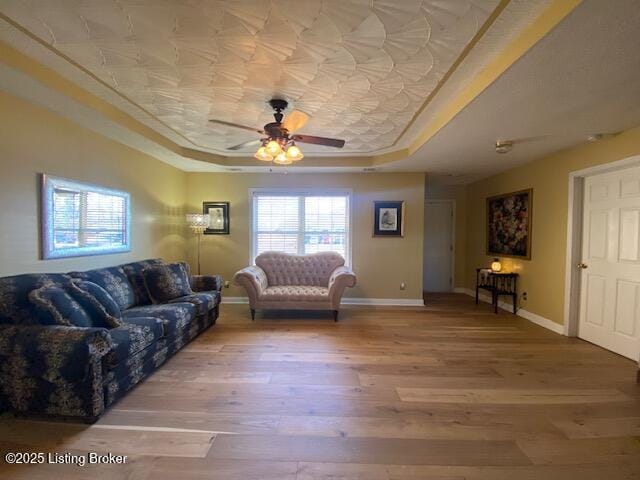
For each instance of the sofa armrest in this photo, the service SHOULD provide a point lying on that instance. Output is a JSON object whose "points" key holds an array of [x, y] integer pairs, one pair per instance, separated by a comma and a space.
{"points": [[341, 278], [206, 283], [254, 281], [54, 370]]}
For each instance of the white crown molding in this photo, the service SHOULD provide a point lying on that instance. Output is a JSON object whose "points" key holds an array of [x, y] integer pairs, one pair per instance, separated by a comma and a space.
{"points": [[532, 317]]}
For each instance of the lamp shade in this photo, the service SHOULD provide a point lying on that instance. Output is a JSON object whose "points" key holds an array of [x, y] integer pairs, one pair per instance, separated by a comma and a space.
{"points": [[282, 159], [273, 148], [263, 155], [496, 266], [198, 221], [294, 153]]}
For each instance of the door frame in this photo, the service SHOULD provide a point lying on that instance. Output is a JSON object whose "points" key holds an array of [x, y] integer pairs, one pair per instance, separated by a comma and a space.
{"points": [[574, 237], [453, 239]]}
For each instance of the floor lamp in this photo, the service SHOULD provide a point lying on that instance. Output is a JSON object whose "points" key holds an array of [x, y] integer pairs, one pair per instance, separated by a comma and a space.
{"points": [[198, 222]]}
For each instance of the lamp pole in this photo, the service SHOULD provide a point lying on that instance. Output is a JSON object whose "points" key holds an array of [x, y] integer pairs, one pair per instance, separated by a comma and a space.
{"points": [[199, 234]]}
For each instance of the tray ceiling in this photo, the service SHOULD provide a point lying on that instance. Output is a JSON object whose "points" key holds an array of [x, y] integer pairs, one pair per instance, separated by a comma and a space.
{"points": [[360, 68]]}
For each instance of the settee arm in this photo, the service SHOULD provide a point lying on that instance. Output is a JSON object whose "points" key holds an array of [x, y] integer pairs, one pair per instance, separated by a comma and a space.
{"points": [[341, 278], [206, 283], [254, 281], [53, 370]]}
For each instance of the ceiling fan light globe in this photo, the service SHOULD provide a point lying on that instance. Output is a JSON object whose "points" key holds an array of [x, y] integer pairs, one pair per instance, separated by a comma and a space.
{"points": [[273, 148], [294, 153], [282, 159], [263, 155]]}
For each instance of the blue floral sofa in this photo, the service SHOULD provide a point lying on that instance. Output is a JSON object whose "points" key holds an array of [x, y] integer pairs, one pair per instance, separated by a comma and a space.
{"points": [[49, 369]]}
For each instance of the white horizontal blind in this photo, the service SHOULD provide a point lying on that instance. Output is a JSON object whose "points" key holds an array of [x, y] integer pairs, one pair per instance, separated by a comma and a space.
{"points": [[277, 224], [300, 223], [82, 219], [325, 225]]}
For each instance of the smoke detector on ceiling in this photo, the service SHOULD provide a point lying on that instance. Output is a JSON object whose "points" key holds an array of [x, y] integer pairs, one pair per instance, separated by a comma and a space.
{"points": [[504, 146]]}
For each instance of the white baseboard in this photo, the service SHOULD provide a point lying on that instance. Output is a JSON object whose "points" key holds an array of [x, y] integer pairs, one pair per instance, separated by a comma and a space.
{"points": [[389, 302], [532, 317], [235, 300]]}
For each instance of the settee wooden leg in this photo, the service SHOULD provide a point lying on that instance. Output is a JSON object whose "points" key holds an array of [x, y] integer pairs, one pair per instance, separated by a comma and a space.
{"points": [[253, 314], [335, 315]]}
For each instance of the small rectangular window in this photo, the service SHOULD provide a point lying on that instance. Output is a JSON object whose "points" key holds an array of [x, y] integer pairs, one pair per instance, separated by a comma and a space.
{"points": [[81, 219]]}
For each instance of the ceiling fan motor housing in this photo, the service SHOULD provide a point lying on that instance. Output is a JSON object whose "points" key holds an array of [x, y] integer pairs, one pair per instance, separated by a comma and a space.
{"points": [[276, 130], [278, 105]]}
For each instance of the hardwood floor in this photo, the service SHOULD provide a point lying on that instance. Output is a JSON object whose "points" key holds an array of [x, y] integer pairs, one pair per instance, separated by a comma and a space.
{"points": [[446, 392]]}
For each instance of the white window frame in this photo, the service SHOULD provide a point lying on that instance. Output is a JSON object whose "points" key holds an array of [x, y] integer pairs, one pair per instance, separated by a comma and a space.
{"points": [[49, 251], [309, 192]]}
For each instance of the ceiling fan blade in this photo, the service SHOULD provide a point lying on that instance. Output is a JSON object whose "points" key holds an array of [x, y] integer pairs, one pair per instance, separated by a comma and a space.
{"points": [[328, 142], [528, 139], [245, 144], [243, 127], [295, 120]]}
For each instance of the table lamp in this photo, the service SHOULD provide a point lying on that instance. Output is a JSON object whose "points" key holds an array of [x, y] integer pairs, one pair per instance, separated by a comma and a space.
{"points": [[496, 266]]}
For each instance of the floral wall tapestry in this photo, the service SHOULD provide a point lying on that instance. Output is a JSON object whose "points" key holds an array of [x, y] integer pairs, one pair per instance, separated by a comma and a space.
{"points": [[509, 224]]}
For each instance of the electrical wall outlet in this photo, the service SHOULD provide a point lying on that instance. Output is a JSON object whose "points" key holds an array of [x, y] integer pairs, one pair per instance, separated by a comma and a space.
{"points": [[524, 296], [227, 284], [403, 286]]}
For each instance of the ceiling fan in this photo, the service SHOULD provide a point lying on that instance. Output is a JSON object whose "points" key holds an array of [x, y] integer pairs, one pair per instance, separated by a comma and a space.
{"points": [[279, 141], [505, 146]]}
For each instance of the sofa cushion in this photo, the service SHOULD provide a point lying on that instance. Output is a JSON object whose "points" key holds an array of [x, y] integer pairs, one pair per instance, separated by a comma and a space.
{"points": [[97, 302], [114, 281], [166, 282], [174, 316], [134, 335], [15, 306], [134, 274], [203, 301], [295, 293], [285, 269], [65, 310]]}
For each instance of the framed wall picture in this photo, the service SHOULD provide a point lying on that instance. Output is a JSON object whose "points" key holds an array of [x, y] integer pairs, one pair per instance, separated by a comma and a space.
{"points": [[218, 217], [509, 224], [388, 218]]}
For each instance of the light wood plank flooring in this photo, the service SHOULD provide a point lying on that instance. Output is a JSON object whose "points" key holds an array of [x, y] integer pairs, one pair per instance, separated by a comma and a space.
{"points": [[446, 392]]}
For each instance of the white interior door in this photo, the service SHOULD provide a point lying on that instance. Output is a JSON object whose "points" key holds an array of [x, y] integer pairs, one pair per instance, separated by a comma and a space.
{"points": [[610, 278], [438, 246]]}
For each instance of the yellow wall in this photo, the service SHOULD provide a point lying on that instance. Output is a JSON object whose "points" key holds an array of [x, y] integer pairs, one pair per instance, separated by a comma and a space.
{"points": [[543, 276], [34, 140], [380, 264]]}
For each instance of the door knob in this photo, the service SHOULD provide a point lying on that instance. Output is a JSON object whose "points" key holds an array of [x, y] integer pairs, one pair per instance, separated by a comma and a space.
{"points": [[582, 266]]}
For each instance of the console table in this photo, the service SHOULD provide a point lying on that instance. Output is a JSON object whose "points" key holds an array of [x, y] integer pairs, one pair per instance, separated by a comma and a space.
{"points": [[498, 284]]}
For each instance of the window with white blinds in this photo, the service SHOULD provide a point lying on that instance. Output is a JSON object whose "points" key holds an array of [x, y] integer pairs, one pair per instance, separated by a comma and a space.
{"points": [[81, 219], [300, 223]]}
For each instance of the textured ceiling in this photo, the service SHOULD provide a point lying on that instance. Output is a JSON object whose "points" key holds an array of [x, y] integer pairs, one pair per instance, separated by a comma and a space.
{"points": [[360, 68], [580, 79]]}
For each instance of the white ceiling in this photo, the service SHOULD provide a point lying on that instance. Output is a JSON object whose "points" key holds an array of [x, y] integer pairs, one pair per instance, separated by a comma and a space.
{"points": [[360, 68], [582, 78]]}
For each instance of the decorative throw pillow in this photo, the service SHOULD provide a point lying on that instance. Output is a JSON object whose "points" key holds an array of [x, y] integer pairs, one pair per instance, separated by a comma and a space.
{"points": [[55, 300], [166, 282], [97, 302], [114, 281]]}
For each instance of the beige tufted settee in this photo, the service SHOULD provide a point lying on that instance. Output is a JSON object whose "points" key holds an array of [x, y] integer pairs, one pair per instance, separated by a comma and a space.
{"points": [[281, 281]]}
